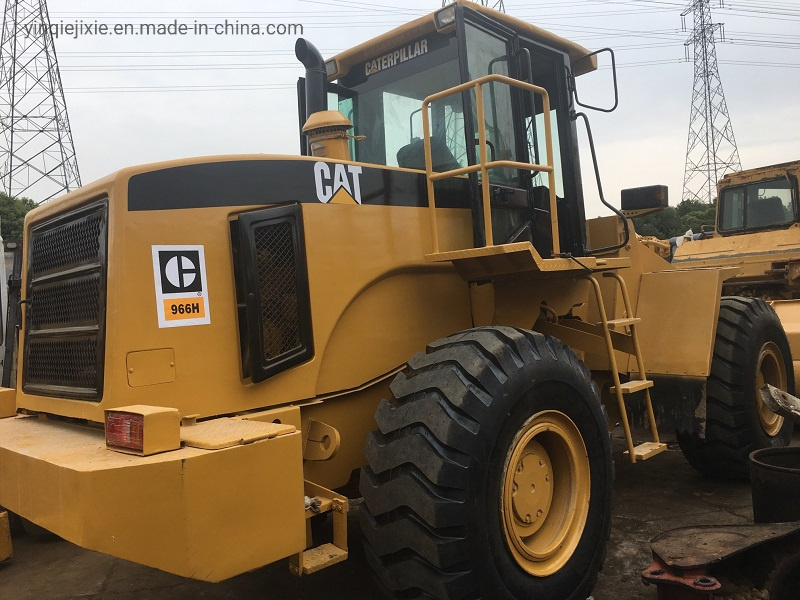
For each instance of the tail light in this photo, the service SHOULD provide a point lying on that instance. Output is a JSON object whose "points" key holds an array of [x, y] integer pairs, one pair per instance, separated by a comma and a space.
{"points": [[125, 430], [143, 430]]}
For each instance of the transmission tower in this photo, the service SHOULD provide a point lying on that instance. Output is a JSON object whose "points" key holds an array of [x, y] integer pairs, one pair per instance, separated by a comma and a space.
{"points": [[37, 154], [495, 4], [711, 151]]}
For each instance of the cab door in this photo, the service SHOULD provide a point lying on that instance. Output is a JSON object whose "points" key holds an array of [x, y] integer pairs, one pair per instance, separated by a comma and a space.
{"points": [[491, 49]]}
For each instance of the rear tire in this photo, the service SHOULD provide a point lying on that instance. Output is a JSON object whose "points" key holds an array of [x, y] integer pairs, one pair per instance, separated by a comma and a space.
{"points": [[459, 502], [750, 349]]}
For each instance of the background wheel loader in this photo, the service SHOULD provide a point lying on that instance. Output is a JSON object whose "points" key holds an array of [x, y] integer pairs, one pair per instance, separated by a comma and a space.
{"points": [[420, 299], [757, 232]]}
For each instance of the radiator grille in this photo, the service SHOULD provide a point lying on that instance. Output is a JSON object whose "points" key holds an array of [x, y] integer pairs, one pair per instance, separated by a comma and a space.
{"points": [[65, 320], [277, 286]]}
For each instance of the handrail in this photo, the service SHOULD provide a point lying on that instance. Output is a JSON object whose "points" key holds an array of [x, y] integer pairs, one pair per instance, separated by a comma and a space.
{"points": [[483, 165]]}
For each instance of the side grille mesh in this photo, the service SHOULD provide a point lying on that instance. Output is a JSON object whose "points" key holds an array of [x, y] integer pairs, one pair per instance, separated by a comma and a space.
{"points": [[65, 321], [70, 363], [70, 302], [277, 286], [67, 246]]}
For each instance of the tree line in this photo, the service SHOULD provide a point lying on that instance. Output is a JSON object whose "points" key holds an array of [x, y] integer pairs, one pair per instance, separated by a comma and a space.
{"points": [[12, 215], [677, 220]]}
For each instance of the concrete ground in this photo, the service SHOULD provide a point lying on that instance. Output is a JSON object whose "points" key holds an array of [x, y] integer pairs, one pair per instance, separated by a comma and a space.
{"points": [[651, 497]]}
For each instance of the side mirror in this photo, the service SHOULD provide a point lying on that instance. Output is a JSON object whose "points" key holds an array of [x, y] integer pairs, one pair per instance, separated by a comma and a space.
{"points": [[641, 201], [586, 64]]}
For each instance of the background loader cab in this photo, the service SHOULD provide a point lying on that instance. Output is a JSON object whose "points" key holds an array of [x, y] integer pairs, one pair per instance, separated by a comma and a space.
{"points": [[757, 229], [752, 204]]}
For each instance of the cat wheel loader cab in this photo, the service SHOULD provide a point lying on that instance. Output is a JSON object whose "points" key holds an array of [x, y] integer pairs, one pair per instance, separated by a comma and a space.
{"points": [[417, 296]]}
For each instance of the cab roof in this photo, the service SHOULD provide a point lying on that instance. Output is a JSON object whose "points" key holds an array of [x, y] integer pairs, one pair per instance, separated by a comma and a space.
{"points": [[427, 24], [761, 173]]}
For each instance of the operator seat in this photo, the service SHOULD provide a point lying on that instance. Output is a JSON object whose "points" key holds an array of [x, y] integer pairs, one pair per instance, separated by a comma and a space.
{"points": [[766, 212], [412, 156]]}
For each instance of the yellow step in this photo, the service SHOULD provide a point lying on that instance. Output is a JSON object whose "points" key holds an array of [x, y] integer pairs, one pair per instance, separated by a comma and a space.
{"points": [[633, 386], [316, 559], [648, 450], [625, 322]]}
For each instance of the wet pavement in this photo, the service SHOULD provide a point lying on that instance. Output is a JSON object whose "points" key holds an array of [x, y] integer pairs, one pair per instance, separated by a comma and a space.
{"points": [[651, 497]]}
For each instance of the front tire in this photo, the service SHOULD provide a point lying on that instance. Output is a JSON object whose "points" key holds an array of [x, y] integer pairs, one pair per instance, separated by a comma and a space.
{"points": [[750, 350], [490, 475]]}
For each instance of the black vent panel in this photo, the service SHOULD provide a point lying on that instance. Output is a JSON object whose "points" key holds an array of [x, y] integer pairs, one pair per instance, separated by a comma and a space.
{"points": [[66, 297], [272, 287], [277, 289]]}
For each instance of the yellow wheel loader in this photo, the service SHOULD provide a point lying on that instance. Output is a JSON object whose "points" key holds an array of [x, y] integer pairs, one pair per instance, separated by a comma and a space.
{"points": [[757, 232], [212, 348]]}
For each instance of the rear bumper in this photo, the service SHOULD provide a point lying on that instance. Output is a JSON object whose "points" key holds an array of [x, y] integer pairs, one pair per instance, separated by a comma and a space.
{"points": [[204, 514]]}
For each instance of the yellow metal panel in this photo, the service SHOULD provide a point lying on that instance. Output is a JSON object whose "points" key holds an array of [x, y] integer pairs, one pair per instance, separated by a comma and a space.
{"points": [[151, 367], [204, 514], [391, 321], [5, 537], [380, 271], [754, 253], [353, 416], [677, 337], [604, 232], [288, 415], [224, 433], [789, 313], [482, 297], [511, 259], [8, 403]]}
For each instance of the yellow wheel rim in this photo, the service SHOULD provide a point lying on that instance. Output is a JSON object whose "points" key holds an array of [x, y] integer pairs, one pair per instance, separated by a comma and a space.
{"points": [[771, 370], [545, 494]]}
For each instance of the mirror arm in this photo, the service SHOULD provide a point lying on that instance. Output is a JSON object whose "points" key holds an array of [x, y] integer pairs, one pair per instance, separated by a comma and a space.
{"points": [[626, 234]]}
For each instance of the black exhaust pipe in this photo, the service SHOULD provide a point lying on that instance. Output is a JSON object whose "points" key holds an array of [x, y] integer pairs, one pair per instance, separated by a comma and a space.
{"points": [[316, 76]]}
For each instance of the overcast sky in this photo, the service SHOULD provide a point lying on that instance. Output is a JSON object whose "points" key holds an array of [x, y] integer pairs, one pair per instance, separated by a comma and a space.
{"points": [[141, 99]]}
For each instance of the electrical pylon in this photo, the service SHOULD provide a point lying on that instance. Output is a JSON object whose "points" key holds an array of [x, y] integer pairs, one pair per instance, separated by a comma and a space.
{"points": [[495, 4], [37, 154], [711, 151]]}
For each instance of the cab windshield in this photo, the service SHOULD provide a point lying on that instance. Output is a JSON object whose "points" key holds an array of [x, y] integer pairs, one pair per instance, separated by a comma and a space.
{"points": [[383, 99]]}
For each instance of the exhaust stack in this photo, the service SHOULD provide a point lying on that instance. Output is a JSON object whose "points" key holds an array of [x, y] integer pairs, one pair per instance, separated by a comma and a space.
{"points": [[316, 77], [326, 129]]}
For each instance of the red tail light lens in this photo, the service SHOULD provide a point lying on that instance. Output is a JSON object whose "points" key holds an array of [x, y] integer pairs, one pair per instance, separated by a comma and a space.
{"points": [[125, 430]]}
